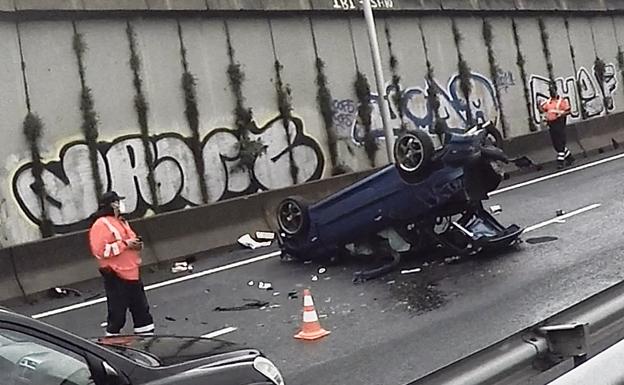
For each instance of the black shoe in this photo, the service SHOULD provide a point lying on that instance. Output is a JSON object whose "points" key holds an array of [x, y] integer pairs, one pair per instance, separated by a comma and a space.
{"points": [[569, 160]]}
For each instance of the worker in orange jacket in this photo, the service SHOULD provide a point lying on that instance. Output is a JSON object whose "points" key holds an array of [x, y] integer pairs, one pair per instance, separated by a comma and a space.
{"points": [[555, 111], [118, 252]]}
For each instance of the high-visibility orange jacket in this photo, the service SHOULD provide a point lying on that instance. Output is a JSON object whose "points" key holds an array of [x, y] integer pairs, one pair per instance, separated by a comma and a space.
{"points": [[555, 108], [107, 237]]}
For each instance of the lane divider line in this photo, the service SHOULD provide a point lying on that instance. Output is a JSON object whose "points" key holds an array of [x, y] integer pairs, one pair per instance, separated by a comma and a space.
{"points": [[557, 174], [162, 284], [561, 218], [276, 253], [221, 332]]}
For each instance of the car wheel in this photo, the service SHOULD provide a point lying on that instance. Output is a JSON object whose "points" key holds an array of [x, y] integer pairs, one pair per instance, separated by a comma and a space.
{"points": [[292, 215], [413, 153], [494, 136]]}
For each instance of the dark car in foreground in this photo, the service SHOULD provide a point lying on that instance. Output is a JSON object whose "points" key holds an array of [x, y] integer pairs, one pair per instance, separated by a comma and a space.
{"points": [[428, 197], [34, 353]]}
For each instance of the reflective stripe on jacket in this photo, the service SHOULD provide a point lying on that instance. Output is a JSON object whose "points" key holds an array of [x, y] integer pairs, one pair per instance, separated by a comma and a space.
{"points": [[555, 108], [107, 239]]}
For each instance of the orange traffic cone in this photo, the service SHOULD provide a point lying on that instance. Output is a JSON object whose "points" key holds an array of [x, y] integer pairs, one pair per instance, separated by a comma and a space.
{"points": [[311, 328]]}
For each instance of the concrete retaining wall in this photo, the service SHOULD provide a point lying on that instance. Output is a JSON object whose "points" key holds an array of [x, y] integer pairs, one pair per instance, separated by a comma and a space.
{"points": [[63, 260]]}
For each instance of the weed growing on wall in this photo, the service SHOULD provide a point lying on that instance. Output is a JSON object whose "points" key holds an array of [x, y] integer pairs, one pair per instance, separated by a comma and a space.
{"points": [[191, 111], [465, 73], [363, 92], [573, 57], [284, 104], [546, 49], [141, 107], [521, 62], [433, 99], [33, 129], [89, 117], [494, 69], [249, 149], [396, 79], [324, 100]]}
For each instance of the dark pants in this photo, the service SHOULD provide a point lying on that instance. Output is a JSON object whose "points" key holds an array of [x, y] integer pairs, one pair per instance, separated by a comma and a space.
{"points": [[122, 295], [558, 138]]}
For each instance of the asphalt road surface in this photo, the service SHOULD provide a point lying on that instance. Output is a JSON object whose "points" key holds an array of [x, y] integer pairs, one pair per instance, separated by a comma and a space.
{"points": [[400, 327]]}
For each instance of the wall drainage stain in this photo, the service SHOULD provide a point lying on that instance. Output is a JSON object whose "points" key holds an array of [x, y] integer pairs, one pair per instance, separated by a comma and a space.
{"points": [[537, 240]]}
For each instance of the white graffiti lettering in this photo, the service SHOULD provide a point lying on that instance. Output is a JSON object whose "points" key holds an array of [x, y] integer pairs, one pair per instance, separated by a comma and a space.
{"points": [[589, 95], [71, 197]]}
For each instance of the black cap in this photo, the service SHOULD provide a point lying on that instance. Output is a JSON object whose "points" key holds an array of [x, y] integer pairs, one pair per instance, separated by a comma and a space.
{"points": [[108, 198]]}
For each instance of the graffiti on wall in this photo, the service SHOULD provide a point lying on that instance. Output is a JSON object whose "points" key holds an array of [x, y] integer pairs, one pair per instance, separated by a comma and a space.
{"points": [[418, 112], [71, 194], [593, 96]]}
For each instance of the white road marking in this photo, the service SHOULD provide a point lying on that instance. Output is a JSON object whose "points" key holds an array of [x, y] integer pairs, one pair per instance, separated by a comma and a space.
{"points": [[162, 284], [561, 218], [276, 253], [221, 332], [557, 174]]}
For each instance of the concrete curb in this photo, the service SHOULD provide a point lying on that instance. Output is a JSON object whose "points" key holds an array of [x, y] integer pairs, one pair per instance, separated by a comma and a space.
{"points": [[64, 260]]}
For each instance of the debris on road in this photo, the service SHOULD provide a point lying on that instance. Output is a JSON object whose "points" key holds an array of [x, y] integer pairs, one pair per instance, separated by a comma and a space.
{"points": [[314, 278], [410, 271], [390, 282], [322, 270], [247, 241], [170, 319], [180, 267], [293, 294], [451, 260], [60, 292], [537, 240], [104, 324], [251, 304], [560, 212], [276, 294], [265, 235], [496, 209], [265, 285]]}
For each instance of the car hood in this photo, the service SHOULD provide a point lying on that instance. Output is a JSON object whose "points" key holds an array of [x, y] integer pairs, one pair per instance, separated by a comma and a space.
{"points": [[171, 350]]}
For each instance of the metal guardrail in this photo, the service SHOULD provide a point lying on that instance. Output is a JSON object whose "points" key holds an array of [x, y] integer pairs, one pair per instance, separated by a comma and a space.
{"points": [[547, 350]]}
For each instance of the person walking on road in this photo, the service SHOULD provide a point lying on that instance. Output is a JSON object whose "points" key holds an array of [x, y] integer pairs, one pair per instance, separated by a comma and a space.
{"points": [[118, 252], [555, 111]]}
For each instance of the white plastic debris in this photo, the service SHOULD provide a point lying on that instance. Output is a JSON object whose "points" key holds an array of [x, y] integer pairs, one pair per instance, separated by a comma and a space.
{"points": [[265, 235], [314, 278], [276, 294], [265, 285], [410, 271], [251, 283], [247, 241], [104, 324], [180, 267], [496, 209], [322, 270]]}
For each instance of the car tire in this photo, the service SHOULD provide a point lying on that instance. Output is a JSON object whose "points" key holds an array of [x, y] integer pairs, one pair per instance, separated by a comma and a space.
{"points": [[292, 216], [493, 136], [413, 154]]}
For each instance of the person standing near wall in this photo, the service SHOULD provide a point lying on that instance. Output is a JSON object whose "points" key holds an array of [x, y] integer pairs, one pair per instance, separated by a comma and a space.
{"points": [[118, 252], [555, 111]]}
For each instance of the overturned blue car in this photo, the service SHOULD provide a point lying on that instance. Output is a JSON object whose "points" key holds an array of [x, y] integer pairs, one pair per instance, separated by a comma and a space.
{"points": [[429, 197]]}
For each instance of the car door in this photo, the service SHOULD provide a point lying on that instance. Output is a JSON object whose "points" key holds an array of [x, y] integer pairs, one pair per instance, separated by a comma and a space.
{"points": [[28, 357]]}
